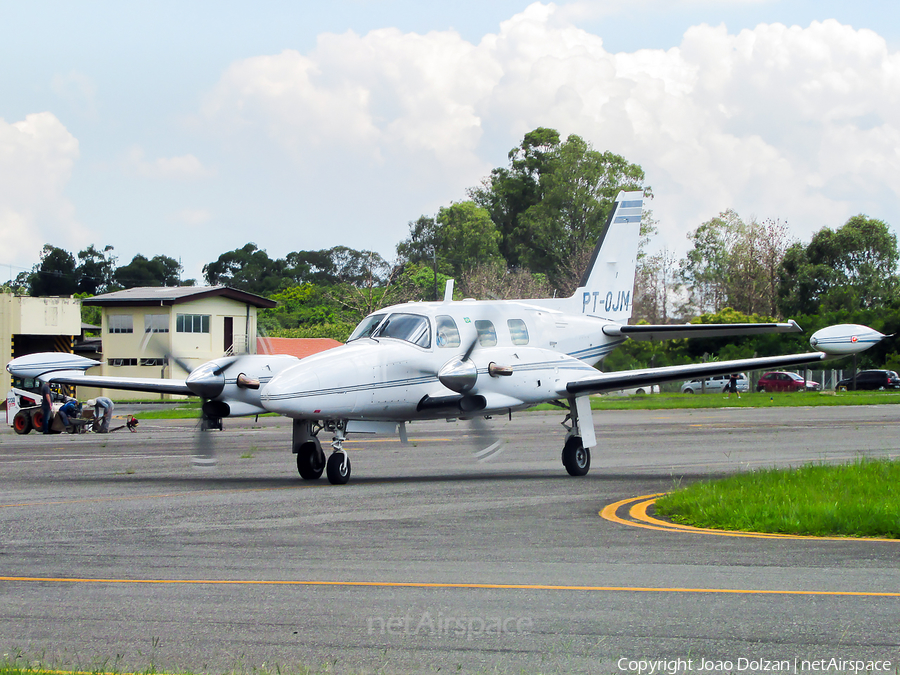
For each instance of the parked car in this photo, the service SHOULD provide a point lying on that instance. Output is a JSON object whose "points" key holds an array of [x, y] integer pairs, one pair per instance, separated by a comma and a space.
{"points": [[784, 381], [646, 389], [715, 385], [871, 379]]}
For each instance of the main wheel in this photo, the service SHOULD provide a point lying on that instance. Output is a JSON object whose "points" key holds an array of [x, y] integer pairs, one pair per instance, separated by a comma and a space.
{"points": [[338, 468], [575, 457], [22, 422], [310, 461]]}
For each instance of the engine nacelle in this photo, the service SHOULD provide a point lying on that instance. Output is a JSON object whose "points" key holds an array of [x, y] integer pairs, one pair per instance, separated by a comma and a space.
{"points": [[846, 338]]}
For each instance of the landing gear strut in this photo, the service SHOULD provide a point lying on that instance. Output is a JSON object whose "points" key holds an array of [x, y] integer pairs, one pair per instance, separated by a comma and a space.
{"points": [[575, 457], [576, 454], [311, 462], [338, 467]]}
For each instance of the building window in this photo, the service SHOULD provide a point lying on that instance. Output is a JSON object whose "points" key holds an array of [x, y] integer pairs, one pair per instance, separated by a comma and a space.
{"points": [[122, 362], [154, 361], [192, 323], [156, 323], [120, 323]]}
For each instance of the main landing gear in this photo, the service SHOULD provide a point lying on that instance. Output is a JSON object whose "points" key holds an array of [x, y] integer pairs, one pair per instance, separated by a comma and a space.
{"points": [[575, 457], [311, 460]]}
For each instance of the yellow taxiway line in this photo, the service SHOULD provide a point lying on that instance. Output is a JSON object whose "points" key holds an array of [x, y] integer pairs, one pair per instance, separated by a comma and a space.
{"points": [[640, 518], [416, 584]]}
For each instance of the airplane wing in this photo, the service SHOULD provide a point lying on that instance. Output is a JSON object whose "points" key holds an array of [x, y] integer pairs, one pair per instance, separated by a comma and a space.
{"points": [[626, 379], [698, 330], [148, 384]]}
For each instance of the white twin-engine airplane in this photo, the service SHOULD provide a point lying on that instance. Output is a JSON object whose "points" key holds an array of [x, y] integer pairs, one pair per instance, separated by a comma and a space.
{"points": [[458, 359]]}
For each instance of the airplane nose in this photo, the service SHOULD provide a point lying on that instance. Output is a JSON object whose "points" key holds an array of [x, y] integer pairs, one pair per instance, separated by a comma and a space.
{"points": [[286, 393]]}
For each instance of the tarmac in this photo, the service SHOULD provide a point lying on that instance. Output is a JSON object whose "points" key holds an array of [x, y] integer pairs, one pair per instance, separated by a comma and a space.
{"points": [[116, 553]]}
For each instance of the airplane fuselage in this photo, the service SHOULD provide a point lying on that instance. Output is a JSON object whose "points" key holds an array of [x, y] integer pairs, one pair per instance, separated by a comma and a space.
{"points": [[396, 374]]}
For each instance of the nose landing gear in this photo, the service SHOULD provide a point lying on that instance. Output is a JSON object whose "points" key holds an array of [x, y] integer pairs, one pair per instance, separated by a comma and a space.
{"points": [[311, 462]]}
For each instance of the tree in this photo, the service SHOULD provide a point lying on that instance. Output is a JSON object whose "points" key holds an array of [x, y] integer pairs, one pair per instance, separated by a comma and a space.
{"points": [[247, 269], [160, 270], [96, 271], [54, 275], [851, 268], [466, 237], [734, 264], [509, 192]]}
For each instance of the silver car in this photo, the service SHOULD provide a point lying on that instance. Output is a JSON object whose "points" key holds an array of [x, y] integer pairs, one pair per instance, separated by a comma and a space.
{"points": [[715, 385]]}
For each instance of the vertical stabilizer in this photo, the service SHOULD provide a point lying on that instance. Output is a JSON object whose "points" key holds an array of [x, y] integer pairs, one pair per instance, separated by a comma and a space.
{"points": [[607, 287]]}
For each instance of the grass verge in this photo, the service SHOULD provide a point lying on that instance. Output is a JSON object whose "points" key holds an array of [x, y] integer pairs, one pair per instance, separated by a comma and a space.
{"points": [[854, 500]]}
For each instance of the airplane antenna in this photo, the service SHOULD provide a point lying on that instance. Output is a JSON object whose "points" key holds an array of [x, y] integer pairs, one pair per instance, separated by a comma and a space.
{"points": [[448, 291]]}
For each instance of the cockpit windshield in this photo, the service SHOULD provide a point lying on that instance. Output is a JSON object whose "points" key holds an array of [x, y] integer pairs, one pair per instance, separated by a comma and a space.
{"points": [[408, 327], [366, 327]]}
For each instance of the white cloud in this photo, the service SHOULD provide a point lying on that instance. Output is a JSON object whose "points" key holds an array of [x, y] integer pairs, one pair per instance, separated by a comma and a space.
{"points": [[37, 156], [184, 167], [790, 122]]}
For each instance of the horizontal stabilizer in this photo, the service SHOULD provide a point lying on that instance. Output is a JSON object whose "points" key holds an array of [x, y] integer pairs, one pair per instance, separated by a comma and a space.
{"points": [[698, 330]]}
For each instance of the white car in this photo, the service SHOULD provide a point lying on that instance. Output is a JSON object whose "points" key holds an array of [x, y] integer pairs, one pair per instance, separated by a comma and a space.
{"points": [[648, 389], [715, 385]]}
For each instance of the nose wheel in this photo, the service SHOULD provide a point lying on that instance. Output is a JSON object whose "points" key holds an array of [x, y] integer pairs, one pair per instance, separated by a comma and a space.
{"points": [[338, 468]]}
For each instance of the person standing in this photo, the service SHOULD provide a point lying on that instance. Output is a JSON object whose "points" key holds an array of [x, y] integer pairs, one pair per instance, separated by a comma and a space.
{"points": [[733, 384], [46, 406], [103, 409]]}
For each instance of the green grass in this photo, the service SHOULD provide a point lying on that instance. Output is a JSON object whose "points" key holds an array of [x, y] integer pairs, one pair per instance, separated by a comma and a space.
{"points": [[747, 400], [860, 499], [191, 409]]}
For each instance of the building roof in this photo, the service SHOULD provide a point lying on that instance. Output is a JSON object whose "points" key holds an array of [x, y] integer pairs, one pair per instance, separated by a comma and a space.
{"points": [[174, 295], [299, 347]]}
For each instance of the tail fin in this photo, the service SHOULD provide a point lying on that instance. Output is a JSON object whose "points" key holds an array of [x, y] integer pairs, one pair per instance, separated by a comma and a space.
{"points": [[607, 287]]}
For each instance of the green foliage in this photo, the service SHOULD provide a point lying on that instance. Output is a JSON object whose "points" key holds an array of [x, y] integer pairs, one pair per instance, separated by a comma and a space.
{"points": [[90, 314], [54, 275], [338, 330], [299, 306], [160, 270], [851, 268], [809, 500], [550, 205], [96, 270]]}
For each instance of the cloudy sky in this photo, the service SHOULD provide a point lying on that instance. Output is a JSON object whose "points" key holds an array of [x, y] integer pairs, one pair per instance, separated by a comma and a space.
{"points": [[190, 129]]}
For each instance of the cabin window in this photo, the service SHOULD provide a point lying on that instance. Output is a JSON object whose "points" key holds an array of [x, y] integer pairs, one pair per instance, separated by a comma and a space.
{"points": [[409, 327], [487, 334], [121, 323], [366, 327], [192, 323], [518, 331], [447, 332]]}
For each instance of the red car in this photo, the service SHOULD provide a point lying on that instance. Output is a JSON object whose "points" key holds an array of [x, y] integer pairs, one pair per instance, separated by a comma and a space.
{"points": [[783, 381]]}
